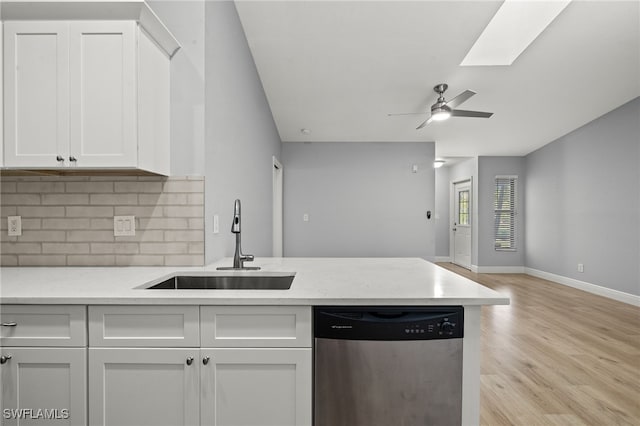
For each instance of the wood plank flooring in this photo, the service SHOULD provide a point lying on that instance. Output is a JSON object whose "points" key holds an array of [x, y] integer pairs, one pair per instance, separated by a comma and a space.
{"points": [[557, 355]]}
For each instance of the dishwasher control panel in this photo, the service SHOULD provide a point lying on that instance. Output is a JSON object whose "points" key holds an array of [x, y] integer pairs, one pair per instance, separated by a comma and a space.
{"points": [[389, 322]]}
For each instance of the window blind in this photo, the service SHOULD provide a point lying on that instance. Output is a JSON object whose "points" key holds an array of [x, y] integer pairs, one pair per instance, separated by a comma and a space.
{"points": [[504, 202]]}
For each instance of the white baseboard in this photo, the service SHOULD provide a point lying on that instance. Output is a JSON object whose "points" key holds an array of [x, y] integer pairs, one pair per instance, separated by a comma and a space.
{"points": [[474, 268], [620, 296], [442, 259], [500, 269]]}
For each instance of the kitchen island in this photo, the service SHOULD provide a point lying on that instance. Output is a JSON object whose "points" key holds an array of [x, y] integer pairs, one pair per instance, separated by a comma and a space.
{"points": [[117, 295]]}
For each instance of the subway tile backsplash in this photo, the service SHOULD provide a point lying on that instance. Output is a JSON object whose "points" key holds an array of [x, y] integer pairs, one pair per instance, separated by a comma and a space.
{"points": [[68, 221]]}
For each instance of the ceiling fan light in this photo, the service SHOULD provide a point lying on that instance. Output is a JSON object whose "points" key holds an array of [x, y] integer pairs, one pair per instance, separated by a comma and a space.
{"points": [[440, 114]]}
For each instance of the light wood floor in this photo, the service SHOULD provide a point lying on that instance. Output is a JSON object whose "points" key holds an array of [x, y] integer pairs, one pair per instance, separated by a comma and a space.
{"points": [[557, 355]]}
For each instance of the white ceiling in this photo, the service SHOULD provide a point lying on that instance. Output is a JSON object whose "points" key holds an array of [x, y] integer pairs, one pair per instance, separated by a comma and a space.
{"points": [[338, 67]]}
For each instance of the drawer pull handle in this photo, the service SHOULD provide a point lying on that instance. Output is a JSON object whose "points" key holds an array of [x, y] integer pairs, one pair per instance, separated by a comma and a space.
{"points": [[4, 359], [205, 360], [190, 360], [9, 324]]}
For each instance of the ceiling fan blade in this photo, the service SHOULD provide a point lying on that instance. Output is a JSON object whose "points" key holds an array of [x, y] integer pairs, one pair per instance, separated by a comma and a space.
{"points": [[427, 121], [463, 113], [462, 97], [408, 113]]}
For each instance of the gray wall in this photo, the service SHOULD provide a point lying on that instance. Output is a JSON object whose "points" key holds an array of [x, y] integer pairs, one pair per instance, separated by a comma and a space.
{"points": [[185, 20], [488, 169], [442, 211], [240, 138], [362, 199], [582, 202]]}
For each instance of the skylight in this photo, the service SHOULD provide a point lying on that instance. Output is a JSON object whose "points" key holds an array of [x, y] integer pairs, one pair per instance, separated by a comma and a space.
{"points": [[512, 29]]}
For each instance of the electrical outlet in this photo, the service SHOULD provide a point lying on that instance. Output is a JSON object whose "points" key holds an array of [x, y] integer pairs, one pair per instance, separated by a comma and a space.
{"points": [[124, 226], [216, 224], [14, 224], [580, 267]]}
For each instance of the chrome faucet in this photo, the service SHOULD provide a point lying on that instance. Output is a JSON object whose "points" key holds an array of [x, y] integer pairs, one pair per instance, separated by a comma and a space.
{"points": [[238, 257]]}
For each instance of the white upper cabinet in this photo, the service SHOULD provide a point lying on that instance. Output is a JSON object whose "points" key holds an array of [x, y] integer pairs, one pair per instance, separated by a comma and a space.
{"points": [[86, 93], [36, 93], [102, 70]]}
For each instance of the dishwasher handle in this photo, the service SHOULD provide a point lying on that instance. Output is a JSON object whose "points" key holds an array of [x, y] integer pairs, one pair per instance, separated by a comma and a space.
{"points": [[388, 316]]}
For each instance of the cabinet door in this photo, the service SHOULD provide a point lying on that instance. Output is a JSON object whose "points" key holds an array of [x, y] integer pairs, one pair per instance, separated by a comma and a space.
{"points": [[103, 94], [140, 387], [265, 386], [44, 386], [36, 86]]}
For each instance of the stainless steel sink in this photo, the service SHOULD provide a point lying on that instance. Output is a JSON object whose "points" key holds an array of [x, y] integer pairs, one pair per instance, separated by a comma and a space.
{"points": [[225, 282]]}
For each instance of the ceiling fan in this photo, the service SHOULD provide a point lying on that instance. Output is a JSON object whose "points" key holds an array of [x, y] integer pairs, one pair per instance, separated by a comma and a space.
{"points": [[443, 109]]}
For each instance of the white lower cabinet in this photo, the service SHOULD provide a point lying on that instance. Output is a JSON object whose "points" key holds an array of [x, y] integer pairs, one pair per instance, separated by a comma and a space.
{"points": [[43, 365], [247, 378], [221, 387], [144, 365], [43, 386], [256, 386], [139, 387]]}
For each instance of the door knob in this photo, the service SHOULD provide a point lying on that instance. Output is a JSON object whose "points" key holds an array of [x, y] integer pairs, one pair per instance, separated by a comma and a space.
{"points": [[205, 360], [73, 159], [4, 359], [190, 360], [59, 158]]}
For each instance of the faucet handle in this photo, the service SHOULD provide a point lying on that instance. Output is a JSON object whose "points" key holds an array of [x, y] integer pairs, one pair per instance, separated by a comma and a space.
{"points": [[247, 257]]}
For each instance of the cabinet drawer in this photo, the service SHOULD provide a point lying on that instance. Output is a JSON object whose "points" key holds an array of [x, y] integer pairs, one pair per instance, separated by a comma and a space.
{"points": [[255, 326], [43, 325], [141, 326]]}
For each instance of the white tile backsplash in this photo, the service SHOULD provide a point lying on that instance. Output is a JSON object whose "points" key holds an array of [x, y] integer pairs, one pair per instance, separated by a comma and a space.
{"points": [[68, 220]]}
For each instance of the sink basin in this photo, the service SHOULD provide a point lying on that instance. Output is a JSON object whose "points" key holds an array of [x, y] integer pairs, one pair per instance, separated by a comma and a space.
{"points": [[225, 282]]}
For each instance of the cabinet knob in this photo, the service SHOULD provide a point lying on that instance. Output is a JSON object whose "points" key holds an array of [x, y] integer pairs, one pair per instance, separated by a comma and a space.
{"points": [[205, 360], [9, 324], [4, 359], [190, 360], [73, 159], [59, 158]]}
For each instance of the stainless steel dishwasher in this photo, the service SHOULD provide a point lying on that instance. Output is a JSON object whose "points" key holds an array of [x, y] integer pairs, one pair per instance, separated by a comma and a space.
{"points": [[388, 366]]}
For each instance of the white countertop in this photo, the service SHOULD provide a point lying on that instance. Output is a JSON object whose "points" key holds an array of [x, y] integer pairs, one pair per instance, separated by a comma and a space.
{"points": [[318, 281]]}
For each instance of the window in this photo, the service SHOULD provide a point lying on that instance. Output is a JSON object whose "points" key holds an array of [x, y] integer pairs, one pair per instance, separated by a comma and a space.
{"points": [[504, 202], [463, 207]]}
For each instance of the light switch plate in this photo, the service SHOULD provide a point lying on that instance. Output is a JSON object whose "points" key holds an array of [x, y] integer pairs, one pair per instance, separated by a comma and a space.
{"points": [[216, 224], [124, 226]]}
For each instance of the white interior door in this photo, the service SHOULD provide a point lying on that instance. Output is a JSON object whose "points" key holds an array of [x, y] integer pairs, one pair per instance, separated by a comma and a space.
{"points": [[277, 207], [462, 224]]}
